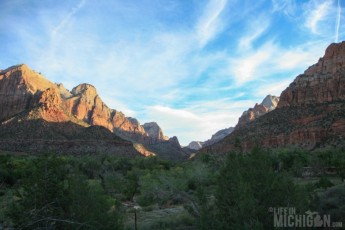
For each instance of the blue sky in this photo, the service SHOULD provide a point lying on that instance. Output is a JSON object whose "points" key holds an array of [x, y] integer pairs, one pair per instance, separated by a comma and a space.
{"points": [[191, 65]]}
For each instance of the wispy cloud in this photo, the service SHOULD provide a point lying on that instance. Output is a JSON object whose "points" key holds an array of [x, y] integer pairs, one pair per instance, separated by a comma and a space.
{"points": [[256, 29], [288, 7], [273, 88], [198, 122], [58, 29], [210, 23], [270, 62], [317, 12], [193, 66], [247, 67]]}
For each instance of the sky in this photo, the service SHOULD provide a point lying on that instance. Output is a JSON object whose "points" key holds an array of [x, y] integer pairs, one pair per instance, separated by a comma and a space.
{"points": [[193, 66]]}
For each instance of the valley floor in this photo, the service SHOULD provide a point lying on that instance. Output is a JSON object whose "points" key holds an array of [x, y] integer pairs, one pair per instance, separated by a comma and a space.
{"points": [[209, 192]]}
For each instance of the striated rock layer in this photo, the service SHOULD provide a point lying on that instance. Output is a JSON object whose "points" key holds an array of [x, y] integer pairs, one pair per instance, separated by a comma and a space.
{"points": [[309, 114], [321, 83]]}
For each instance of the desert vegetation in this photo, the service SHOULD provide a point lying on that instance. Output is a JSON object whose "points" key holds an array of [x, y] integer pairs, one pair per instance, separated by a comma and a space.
{"points": [[232, 191]]}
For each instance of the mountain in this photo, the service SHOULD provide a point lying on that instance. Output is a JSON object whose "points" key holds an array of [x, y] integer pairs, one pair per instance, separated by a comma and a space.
{"points": [[154, 132], [310, 112], [195, 145], [27, 97], [268, 104], [219, 135]]}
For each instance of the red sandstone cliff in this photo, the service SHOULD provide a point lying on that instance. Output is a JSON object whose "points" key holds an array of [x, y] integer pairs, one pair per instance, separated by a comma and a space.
{"points": [[322, 82], [310, 112], [24, 91]]}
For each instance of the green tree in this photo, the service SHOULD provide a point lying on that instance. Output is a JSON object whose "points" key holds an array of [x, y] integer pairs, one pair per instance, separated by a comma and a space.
{"points": [[248, 185], [57, 196]]}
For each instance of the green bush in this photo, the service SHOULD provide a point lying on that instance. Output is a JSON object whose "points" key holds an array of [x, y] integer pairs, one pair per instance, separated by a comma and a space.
{"points": [[324, 183], [247, 186], [332, 202], [57, 196]]}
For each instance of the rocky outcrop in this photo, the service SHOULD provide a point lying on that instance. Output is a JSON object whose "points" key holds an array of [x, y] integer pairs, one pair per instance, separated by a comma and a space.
{"points": [[270, 102], [65, 93], [195, 145], [86, 105], [136, 127], [170, 149], [18, 85], [309, 114], [218, 136], [50, 106], [154, 132], [174, 142], [321, 83], [267, 105]]}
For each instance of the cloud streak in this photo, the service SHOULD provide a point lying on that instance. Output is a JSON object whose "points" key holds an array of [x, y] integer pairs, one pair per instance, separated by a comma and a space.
{"points": [[288, 7], [58, 29], [319, 11], [256, 30], [193, 66], [210, 23]]}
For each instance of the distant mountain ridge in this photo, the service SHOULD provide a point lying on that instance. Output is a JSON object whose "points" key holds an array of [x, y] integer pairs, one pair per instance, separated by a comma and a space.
{"points": [[219, 135], [268, 104], [310, 112], [26, 91]]}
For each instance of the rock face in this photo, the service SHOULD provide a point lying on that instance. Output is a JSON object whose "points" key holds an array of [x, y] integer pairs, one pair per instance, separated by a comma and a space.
{"points": [[270, 102], [320, 83], [49, 102], [195, 145], [154, 132], [24, 91], [309, 114], [218, 136], [267, 105], [86, 105], [169, 148], [174, 142], [18, 84]]}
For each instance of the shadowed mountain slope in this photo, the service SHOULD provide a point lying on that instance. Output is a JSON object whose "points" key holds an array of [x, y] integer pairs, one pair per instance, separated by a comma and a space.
{"points": [[310, 112]]}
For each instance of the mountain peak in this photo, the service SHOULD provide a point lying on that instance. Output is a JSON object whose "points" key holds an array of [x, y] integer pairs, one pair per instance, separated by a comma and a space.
{"points": [[270, 102], [65, 93], [321, 82], [310, 112], [84, 89], [29, 94], [26, 78], [331, 62], [154, 131]]}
